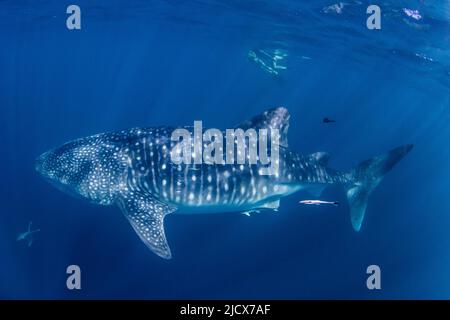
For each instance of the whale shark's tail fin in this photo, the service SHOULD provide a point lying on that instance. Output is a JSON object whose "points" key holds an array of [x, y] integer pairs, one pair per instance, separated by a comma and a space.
{"points": [[366, 176]]}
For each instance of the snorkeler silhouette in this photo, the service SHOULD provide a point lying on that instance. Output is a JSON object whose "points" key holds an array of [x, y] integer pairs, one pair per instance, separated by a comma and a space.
{"points": [[269, 60], [27, 235], [327, 120]]}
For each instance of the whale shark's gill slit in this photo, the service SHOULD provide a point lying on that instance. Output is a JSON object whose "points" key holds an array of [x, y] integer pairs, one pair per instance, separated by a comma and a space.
{"points": [[217, 181], [152, 165], [233, 188], [144, 150], [201, 182], [185, 183], [172, 173], [252, 195]]}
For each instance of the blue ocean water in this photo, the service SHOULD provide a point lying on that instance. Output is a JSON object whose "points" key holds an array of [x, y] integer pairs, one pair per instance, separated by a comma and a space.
{"points": [[150, 63]]}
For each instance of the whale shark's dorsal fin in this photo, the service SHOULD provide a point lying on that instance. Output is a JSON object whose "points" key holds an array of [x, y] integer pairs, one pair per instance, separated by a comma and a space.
{"points": [[146, 215], [275, 118], [321, 157]]}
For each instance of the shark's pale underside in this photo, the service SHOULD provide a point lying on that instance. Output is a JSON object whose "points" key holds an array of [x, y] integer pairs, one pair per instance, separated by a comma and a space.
{"points": [[133, 170]]}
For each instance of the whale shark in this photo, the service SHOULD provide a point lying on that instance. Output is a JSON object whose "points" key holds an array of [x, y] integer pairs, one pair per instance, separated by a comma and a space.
{"points": [[132, 169]]}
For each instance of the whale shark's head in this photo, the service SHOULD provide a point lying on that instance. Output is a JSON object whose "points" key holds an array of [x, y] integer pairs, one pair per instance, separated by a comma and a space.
{"points": [[86, 167]]}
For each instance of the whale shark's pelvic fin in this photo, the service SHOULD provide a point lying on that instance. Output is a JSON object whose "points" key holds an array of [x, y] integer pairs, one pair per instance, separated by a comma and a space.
{"points": [[366, 177], [274, 205], [275, 118], [316, 189], [250, 212], [146, 215]]}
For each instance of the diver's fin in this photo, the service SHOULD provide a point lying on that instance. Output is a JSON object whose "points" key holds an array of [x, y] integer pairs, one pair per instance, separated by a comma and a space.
{"points": [[321, 157], [275, 118], [366, 176], [146, 215]]}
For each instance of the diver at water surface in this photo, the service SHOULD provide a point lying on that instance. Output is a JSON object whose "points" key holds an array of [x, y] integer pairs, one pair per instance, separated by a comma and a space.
{"points": [[268, 60]]}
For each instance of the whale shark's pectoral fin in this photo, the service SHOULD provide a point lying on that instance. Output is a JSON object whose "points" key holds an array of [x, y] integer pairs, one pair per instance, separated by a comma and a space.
{"points": [[146, 215]]}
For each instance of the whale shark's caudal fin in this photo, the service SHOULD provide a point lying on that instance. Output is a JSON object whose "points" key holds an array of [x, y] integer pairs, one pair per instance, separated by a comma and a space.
{"points": [[366, 176]]}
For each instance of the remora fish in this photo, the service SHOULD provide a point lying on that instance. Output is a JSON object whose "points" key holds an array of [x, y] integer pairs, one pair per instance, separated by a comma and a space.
{"points": [[319, 202], [133, 170]]}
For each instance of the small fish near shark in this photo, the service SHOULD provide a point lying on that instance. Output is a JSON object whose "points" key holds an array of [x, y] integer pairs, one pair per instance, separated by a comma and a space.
{"points": [[132, 170]]}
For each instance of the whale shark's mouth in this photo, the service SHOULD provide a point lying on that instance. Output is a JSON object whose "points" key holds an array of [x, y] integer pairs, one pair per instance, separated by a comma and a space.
{"points": [[39, 163], [42, 167], [67, 189]]}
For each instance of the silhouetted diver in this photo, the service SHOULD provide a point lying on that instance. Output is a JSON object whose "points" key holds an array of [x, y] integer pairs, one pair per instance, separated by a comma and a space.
{"points": [[327, 120], [28, 234]]}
